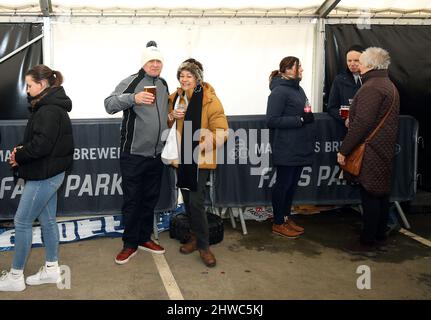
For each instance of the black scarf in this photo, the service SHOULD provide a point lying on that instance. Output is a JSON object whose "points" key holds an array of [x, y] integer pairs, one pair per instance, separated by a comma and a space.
{"points": [[188, 167]]}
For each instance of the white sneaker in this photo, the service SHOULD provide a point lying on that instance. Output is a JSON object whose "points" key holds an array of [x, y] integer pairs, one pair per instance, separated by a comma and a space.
{"points": [[44, 276], [10, 283]]}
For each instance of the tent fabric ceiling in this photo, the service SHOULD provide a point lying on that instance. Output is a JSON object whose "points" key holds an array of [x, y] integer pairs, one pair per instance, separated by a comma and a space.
{"points": [[253, 8], [208, 4], [385, 8]]}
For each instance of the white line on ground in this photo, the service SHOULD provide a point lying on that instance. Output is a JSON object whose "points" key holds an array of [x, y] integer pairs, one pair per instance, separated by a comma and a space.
{"points": [[168, 279], [416, 237]]}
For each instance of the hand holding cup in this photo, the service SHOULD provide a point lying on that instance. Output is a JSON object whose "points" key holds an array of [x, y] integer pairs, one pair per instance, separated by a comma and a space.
{"points": [[307, 117], [179, 111], [148, 96], [12, 160]]}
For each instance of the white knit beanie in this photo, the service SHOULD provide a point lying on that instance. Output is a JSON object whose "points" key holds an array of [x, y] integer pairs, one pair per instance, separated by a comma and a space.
{"points": [[151, 52]]}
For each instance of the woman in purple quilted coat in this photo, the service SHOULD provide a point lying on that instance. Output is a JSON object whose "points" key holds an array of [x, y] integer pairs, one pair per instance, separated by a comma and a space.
{"points": [[377, 97]]}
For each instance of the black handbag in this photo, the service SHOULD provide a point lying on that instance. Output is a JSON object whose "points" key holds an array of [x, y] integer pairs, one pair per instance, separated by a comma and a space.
{"points": [[179, 228]]}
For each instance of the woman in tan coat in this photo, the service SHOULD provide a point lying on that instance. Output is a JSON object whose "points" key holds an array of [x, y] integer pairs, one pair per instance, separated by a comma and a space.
{"points": [[201, 128], [376, 98]]}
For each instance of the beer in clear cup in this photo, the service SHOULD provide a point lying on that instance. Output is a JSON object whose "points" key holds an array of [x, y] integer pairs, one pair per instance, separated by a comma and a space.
{"points": [[344, 112], [151, 89]]}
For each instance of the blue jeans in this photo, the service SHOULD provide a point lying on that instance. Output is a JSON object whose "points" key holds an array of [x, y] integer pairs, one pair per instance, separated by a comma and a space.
{"points": [[38, 201]]}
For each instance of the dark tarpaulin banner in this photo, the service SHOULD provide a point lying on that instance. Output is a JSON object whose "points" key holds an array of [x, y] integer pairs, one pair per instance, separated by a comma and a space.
{"points": [[94, 184], [409, 47], [13, 103], [239, 185]]}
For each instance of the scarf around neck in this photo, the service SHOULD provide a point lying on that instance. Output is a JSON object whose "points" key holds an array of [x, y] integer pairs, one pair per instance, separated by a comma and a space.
{"points": [[188, 167]]}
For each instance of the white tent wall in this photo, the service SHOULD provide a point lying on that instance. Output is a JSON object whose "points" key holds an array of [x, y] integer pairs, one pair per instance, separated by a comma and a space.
{"points": [[97, 44], [238, 56]]}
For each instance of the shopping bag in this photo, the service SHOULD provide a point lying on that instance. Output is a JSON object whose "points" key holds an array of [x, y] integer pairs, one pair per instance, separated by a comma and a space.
{"points": [[170, 150]]}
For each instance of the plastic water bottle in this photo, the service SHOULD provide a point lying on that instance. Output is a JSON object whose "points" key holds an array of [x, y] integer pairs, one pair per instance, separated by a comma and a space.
{"points": [[307, 107]]}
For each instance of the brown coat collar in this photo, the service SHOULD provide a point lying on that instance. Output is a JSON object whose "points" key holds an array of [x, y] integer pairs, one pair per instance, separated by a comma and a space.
{"points": [[374, 74]]}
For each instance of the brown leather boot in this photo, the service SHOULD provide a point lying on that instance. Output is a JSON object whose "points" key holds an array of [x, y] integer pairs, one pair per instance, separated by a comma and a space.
{"points": [[290, 223], [208, 257], [286, 231], [190, 246]]}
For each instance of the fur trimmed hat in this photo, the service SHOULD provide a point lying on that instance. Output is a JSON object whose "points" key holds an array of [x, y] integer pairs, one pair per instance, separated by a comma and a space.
{"points": [[151, 52], [193, 68]]}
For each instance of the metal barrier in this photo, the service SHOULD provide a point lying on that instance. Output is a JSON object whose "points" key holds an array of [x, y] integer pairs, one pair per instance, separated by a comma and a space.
{"points": [[238, 184]]}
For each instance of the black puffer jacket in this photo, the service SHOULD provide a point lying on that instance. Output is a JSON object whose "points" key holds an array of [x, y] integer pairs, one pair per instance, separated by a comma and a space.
{"points": [[47, 149], [291, 141]]}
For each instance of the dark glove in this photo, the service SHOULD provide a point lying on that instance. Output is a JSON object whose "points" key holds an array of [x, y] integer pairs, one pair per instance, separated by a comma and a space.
{"points": [[307, 117]]}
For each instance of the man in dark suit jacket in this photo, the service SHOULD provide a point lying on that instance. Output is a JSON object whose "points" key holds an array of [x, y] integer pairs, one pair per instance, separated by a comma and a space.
{"points": [[345, 85]]}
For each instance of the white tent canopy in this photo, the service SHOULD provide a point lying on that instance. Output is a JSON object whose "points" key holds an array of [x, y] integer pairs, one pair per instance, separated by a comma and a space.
{"points": [[97, 43], [347, 8]]}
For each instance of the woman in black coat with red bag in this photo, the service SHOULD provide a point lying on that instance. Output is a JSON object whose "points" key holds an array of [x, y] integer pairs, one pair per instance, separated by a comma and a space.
{"points": [[292, 139]]}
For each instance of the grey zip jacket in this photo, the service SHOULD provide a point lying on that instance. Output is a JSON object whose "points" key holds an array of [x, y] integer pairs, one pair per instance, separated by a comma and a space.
{"points": [[142, 125]]}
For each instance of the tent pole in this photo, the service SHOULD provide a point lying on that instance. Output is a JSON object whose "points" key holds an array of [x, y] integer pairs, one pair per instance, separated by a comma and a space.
{"points": [[326, 8], [402, 215], [21, 48], [46, 42], [318, 66]]}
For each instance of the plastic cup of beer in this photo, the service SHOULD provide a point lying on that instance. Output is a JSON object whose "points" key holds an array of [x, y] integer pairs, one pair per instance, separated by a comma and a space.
{"points": [[151, 89], [181, 107], [344, 112]]}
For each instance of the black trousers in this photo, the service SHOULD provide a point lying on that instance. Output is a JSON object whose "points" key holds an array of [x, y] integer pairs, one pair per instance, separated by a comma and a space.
{"points": [[374, 218], [141, 188], [195, 210], [283, 191]]}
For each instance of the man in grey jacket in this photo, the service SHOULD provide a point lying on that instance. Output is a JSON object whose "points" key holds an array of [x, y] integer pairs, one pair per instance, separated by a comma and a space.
{"points": [[144, 119]]}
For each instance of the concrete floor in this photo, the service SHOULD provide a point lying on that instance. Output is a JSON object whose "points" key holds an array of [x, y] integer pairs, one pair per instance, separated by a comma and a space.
{"points": [[259, 265]]}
